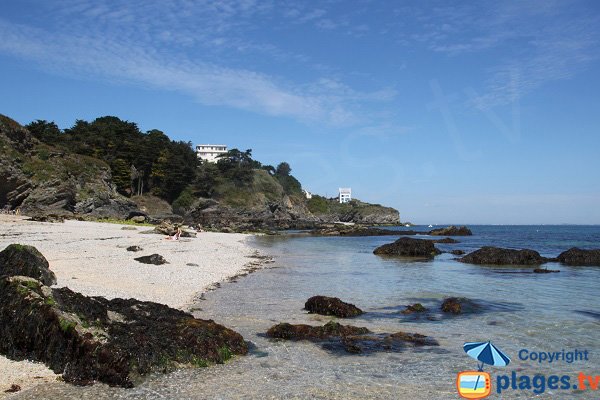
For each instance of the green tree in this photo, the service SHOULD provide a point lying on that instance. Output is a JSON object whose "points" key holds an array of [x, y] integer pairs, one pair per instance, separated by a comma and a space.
{"points": [[47, 132]]}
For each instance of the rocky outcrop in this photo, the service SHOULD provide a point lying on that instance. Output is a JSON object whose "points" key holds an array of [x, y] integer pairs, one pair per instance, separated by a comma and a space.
{"points": [[446, 241], [309, 332], [499, 256], [451, 231], [331, 306], [115, 341], [414, 308], [408, 247], [576, 256], [23, 260], [42, 180], [356, 230]]}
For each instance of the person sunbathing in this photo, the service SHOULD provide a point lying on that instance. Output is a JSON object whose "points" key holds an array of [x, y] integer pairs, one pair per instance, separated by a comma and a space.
{"points": [[175, 236]]}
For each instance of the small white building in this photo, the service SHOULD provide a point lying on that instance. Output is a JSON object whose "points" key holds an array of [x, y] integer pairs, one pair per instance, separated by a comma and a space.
{"points": [[345, 195], [307, 194], [210, 152]]}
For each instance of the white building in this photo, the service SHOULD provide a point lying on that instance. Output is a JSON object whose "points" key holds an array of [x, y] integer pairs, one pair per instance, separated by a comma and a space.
{"points": [[345, 195], [210, 152], [307, 194]]}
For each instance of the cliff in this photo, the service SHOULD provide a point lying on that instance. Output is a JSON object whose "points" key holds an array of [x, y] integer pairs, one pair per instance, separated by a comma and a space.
{"points": [[41, 179]]}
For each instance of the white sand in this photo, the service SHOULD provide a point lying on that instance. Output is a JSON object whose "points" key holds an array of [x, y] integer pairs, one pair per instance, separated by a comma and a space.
{"points": [[91, 258]]}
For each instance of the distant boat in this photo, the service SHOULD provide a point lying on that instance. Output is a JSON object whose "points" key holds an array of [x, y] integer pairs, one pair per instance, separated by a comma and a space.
{"points": [[430, 226], [407, 225]]}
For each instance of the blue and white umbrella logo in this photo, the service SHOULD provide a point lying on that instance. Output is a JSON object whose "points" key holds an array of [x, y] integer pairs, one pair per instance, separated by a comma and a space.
{"points": [[486, 353]]}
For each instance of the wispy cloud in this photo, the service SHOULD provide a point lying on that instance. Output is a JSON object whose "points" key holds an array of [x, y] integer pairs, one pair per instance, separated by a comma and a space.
{"points": [[149, 44]]}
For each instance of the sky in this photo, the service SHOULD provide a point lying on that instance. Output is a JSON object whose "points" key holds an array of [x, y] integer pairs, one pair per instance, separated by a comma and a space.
{"points": [[475, 112]]}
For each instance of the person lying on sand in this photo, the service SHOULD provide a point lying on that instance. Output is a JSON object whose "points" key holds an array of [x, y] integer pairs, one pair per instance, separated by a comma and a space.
{"points": [[175, 236]]}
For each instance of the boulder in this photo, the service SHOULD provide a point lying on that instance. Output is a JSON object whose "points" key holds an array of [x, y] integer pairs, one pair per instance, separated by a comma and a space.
{"points": [[22, 260], [451, 231], [168, 229], [457, 252], [500, 256], [155, 259], [331, 306], [408, 247], [134, 248], [576, 256], [115, 341]]}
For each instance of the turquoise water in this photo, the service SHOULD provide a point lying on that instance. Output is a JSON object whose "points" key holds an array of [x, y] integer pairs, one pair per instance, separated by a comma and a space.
{"points": [[521, 310]]}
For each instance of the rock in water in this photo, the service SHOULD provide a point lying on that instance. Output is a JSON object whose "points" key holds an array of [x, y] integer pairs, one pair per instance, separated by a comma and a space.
{"points": [[414, 308], [457, 252], [331, 306], [446, 241], [451, 231], [155, 259], [115, 341], [544, 271], [18, 259], [408, 247], [575, 256], [459, 305], [309, 332], [499, 256]]}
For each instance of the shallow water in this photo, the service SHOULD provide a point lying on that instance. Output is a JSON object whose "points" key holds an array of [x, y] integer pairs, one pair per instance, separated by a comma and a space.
{"points": [[539, 312]]}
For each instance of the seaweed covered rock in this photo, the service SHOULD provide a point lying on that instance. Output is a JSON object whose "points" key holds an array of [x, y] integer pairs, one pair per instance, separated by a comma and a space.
{"points": [[350, 339], [408, 247], [576, 256], [309, 332], [451, 231], [500, 256], [331, 306], [459, 305], [22, 260], [115, 341], [414, 308]]}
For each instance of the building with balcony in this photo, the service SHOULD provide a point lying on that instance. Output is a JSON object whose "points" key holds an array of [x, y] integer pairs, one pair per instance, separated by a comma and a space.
{"points": [[210, 152]]}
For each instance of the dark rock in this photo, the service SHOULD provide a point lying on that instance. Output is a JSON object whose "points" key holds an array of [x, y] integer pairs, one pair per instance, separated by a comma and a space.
{"points": [[136, 213], [500, 256], [457, 252], [168, 229], [446, 240], [115, 341], [414, 308], [23, 260], [357, 230], [192, 265], [134, 248], [459, 305], [544, 271], [331, 306], [13, 389], [155, 259], [408, 247], [451, 231], [349, 338], [575, 256], [44, 216], [309, 332]]}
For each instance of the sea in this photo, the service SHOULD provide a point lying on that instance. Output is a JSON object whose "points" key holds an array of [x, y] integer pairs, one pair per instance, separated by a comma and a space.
{"points": [[522, 314]]}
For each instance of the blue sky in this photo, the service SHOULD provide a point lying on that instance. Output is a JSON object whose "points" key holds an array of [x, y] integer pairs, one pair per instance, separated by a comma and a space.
{"points": [[451, 112]]}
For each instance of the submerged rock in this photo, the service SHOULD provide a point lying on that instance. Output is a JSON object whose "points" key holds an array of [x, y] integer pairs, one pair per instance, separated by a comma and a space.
{"points": [[155, 259], [24, 260], [115, 341], [500, 256], [414, 308], [576, 256], [408, 247], [331, 306], [451, 231], [544, 271], [457, 252]]}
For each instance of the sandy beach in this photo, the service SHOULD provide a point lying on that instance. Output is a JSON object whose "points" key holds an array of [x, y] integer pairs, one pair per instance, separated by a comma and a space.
{"points": [[91, 258]]}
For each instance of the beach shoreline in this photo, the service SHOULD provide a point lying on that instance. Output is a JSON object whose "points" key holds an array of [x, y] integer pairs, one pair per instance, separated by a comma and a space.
{"points": [[92, 258]]}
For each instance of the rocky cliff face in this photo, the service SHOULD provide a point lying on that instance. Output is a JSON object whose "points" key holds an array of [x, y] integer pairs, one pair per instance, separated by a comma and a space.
{"points": [[38, 178]]}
